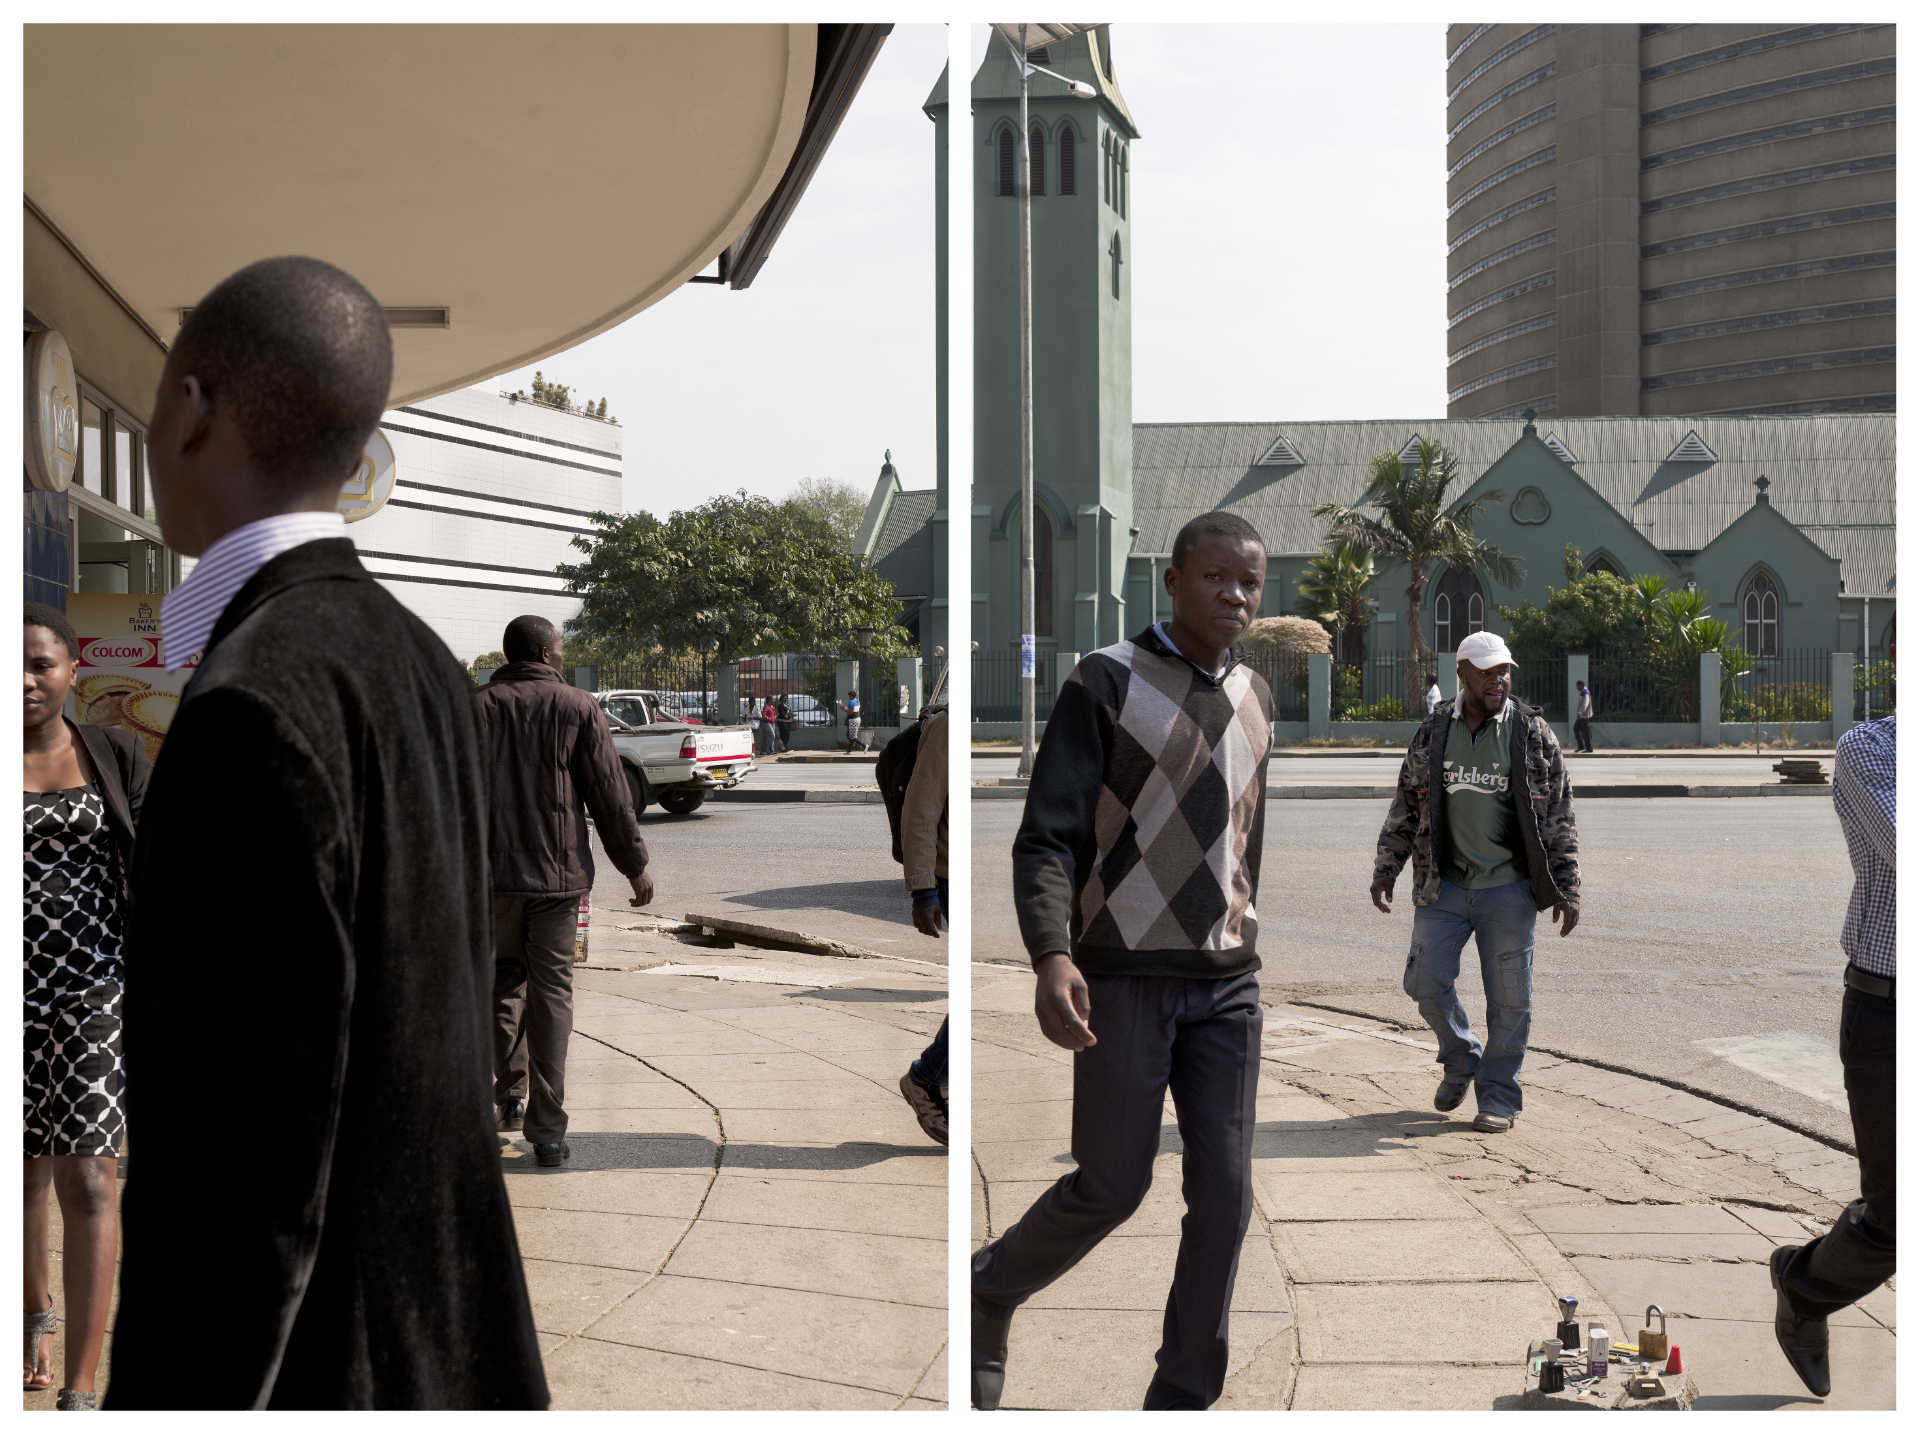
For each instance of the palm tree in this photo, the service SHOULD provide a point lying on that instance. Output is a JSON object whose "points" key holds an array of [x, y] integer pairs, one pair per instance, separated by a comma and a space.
{"points": [[1415, 528], [1333, 592], [1648, 589]]}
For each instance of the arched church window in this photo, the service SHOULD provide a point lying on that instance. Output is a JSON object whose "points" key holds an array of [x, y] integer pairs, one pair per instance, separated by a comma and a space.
{"points": [[1037, 161], [1762, 611], [1042, 572], [1603, 564], [1066, 160], [1121, 150], [1458, 609], [1443, 624], [1113, 250], [1006, 162], [1106, 168], [1476, 612]]}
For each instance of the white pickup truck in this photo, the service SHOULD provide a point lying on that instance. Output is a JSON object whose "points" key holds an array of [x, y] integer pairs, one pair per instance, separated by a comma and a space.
{"points": [[673, 763]]}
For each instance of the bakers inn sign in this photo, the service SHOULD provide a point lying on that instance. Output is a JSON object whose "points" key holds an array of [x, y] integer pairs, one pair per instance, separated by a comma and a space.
{"points": [[53, 412]]}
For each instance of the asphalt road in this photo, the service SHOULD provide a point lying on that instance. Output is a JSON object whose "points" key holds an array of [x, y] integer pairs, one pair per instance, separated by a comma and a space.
{"points": [[1677, 768], [824, 869], [1708, 948]]}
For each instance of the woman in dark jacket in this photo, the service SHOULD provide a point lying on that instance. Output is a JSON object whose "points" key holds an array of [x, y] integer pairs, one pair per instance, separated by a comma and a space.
{"points": [[82, 788]]}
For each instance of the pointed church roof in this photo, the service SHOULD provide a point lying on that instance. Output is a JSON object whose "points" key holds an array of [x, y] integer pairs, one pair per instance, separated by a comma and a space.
{"points": [[1831, 475], [1083, 57]]}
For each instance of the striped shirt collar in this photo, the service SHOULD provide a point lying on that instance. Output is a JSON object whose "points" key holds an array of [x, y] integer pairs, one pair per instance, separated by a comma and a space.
{"points": [[191, 611]]}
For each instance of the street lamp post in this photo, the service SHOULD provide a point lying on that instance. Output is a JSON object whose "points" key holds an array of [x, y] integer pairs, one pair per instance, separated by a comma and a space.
{"points": [[864, 635]]}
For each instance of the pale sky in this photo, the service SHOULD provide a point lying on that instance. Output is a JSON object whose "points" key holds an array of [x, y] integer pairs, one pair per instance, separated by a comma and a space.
{"points": [[1289, 220], [827, 360]]}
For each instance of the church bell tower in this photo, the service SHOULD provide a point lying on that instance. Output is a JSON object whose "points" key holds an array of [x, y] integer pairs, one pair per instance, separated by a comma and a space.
{"points": [[1082, 349]]}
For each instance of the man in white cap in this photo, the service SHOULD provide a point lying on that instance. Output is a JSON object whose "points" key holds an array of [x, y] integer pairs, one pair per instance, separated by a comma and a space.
{"points": [[1492, 841]]}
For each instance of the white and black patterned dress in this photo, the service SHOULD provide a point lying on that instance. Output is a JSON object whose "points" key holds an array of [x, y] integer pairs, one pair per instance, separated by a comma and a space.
{"points": [[74, 1073]]}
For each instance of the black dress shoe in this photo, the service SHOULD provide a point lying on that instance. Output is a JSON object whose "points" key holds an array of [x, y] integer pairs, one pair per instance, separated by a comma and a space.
{"points": [[989, 1355], [513, 1114], [554, 1154], [1802, 1341]]}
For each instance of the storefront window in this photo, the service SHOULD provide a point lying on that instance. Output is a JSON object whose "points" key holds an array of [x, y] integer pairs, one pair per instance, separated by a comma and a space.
{"points": [[126, 466], [92, 471]]}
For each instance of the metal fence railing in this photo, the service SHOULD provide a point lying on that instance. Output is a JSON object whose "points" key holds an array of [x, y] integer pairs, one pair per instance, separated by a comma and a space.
{"points": [[1795, 686], [1373, 689], [1542, 682], [1629, 686], [1286, 678], [996, 687]]}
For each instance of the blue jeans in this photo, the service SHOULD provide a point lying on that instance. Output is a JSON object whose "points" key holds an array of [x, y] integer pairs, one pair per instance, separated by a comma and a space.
{"points": [[931, 1067], [1500, 919]]}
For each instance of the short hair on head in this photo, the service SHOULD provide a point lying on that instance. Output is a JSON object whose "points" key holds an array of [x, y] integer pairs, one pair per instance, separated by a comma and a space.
{"points": [[301, 356], [1218, 523], [526, 636], [39, 614]]}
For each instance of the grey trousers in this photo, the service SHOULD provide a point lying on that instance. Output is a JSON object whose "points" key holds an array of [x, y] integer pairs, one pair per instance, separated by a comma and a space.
{"points": [[533, 1008], [1202, 1039]]}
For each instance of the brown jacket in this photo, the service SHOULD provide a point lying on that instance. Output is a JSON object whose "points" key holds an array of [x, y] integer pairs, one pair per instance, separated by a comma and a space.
{"points": [[548, 750]]}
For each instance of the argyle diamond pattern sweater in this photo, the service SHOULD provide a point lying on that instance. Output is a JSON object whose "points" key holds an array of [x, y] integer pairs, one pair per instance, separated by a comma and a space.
{"points": [[1139, 851]]}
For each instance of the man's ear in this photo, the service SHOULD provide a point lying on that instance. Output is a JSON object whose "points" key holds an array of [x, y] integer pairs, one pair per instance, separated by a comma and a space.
{"points": [[193, 424]]}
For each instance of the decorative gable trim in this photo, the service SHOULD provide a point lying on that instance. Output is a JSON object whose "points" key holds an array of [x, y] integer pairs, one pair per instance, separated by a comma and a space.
{"points": [[1410, 451], [1560, 450], [1692, 450], [1282, 453]]}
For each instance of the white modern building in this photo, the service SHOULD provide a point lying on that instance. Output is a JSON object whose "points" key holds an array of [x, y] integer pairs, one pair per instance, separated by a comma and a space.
{"points": [[489, 492]]}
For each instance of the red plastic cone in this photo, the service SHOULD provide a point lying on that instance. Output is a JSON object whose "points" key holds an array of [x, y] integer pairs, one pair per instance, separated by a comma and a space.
{"points": [[1673, 1361]]}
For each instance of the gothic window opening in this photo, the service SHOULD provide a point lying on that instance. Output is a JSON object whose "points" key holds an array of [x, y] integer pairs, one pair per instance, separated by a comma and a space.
{"points": [[1106, 168], [1042, 572], [1762, 612], [1006, 162], [1603, 564], [1458, 609], [1121, 151], [1037, 161], [1443, 624], [1066, 160], [1476, 613], [1113, 250]]}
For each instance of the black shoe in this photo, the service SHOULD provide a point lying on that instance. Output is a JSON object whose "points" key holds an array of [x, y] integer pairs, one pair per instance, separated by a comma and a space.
{"points": [[1802, 1341], [554, 1154], [989, 1355], [1452, 1091], [512, 1113], [929, 1106]]}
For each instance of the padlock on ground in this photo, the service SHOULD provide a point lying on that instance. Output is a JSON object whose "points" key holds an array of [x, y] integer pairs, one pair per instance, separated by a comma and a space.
{"points": [[1653, 1343]]}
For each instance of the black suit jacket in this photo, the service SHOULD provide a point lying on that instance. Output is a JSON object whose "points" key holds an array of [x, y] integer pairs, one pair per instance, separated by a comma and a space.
{"points": [[121, 768], [318, 1189]]}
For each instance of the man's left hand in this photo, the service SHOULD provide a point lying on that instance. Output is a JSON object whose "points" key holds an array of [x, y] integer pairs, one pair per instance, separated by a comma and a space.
{"points": [[1567, 913], [642, 891], [926, 920]]}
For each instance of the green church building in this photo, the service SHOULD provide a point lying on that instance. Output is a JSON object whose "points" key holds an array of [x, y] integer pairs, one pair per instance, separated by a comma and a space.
{"points": [[1785, 522]]}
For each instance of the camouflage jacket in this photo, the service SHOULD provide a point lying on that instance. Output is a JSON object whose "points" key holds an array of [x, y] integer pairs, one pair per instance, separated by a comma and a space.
{"points": [[1417, 821]]}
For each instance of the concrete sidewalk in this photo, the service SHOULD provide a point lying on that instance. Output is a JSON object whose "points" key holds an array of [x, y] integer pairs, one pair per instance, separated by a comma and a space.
{"points": [[1400, 1260], [751, 1218]]}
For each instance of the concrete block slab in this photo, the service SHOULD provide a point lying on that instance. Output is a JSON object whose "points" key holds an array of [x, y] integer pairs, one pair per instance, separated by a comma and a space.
{"points": [[1401, 1386], [1637, 1220], [882, 1067], [1347, 1142], [590, 1237], [1033, 1120], [1378, 1195], [1159, 1214], [1362, 1056], [567, 1297], [1729, 1248], [1291, 1109], [660, 1151], [1102, 1359], [616, 1192], [889, 1124], [848, 1090], [1776, 1224], [990, 1058], [981, 1228], [655, 1093], [1045, 1160], [931, 1389], [1703, 1291], [1738, 1366], [1136, 1271], [922, 1163], [780, 1064], [1353, 1250], [587, 1117], [911, 1210], [699, 1038], [872, 1343], [594, 1374], [1458, 1323], [888, 1267]]}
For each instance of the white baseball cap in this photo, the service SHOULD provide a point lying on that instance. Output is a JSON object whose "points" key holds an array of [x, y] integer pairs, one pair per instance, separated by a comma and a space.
{"points": [[1484, 649]]}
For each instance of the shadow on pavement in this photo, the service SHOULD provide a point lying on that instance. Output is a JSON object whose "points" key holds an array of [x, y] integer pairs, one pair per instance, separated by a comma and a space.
{"points": [[679, 1151], [883, 899], [859, 994]]}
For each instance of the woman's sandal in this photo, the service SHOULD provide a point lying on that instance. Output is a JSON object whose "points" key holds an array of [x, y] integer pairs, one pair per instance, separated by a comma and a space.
{"points": [[39, 1326], [77, 1399]]}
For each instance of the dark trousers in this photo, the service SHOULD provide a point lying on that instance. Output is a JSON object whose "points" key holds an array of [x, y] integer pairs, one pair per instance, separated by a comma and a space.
{"points": [[1583, 734], [931, 1067], [1202, 1039], [1855, 1257], [533, 1007]]}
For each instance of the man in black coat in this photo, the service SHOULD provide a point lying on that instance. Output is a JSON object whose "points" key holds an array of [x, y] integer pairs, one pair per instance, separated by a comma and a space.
{"points": [[318, 1218]]}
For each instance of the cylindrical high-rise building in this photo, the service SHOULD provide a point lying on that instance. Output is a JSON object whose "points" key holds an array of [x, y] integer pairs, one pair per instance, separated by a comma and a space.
{"points": [[1670, 219]]}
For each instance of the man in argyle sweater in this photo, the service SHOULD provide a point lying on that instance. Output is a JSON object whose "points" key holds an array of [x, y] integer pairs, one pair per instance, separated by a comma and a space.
{"points": [[1135, 872]]}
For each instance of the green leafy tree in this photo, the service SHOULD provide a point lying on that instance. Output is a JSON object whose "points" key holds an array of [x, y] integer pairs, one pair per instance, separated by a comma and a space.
{"points": [[736, 576], [485, 661], [1415, 528], [560, 396], [1592, 610], [1335, 591], [839, 505]]}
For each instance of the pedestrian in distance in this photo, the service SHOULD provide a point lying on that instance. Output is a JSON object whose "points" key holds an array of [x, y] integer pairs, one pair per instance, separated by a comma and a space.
{"points": [[783, 720], [852, 708], [923, 849], [770, 724], [311, 953], [1854, 1258], [551, 757], [83, 788], [1583, 719], [1434, 699], [1485, 810], [1136, 869]]}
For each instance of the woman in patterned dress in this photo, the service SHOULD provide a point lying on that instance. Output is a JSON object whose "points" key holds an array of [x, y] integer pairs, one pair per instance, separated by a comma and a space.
{"points": [[82, 788]]}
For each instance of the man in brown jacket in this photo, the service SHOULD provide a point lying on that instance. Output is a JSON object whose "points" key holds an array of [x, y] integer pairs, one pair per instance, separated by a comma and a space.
{"points": [[550, 759]]}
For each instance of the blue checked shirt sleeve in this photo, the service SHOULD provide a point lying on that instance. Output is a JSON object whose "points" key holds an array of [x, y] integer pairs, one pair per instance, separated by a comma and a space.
{"points": [[1863, 797]]}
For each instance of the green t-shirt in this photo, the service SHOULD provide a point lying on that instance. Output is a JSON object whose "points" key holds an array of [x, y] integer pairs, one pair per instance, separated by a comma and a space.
{"points": [[1483, 838]]}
